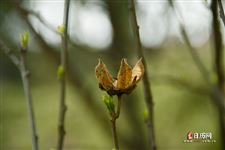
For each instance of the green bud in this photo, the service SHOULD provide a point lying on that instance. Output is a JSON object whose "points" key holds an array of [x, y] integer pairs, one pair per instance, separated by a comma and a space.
{"points": [[61, 29], [146, 114], [24, 39], [60, 71], [108, 100]]}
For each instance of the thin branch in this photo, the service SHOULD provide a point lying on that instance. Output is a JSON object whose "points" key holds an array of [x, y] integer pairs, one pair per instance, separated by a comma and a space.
{"points": [[115, 116], [222, 16], [26, 85], [20, 63], [218, 63], [218, 46], [64, 56], [146, 82], [195, 55], [115, 136], [42, 20]]}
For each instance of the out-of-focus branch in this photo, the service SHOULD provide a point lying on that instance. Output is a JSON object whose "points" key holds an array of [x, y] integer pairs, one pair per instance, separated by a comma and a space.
{"points": [[121, 38], [195, 56], [41, 19], [218, 45], [23, 13], [222, 16], [63, 64], [15, 60], [216, 93], [146, 82], [21, 66], [46, 23], [218, 63], [178, 82]]}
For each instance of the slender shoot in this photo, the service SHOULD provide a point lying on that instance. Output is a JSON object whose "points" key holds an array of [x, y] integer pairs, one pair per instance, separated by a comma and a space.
{"points": [[62, 77], [146, 82]]}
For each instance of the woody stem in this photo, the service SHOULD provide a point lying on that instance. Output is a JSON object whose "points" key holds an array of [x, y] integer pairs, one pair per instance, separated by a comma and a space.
{"points": [[115, 116]]}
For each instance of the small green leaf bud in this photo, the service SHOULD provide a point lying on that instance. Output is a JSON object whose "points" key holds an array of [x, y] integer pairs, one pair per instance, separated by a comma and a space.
{"points": [[24, 39], [60, 71], [146, 114], [108, 100], [61, 29]]}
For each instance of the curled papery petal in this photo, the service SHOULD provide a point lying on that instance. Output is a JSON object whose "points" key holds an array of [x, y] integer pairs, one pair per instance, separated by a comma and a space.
{"points": [[103, 76], [138, 71], [124, 75], [126, 80]]}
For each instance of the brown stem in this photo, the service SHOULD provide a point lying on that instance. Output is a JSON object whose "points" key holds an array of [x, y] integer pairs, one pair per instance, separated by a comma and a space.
{"points": [[115, 137], [63, 61], [115, 116], [146, 82]]}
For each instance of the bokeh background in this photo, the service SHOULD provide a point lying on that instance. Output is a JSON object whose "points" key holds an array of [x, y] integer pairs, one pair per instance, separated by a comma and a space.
{"points": [[103, 29]]}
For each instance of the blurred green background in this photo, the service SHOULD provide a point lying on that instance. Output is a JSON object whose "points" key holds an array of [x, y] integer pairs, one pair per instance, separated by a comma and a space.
{"points": [[102, 29]]}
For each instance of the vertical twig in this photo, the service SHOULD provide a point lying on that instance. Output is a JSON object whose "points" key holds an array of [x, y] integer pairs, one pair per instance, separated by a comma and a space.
{"points": [[63, 63], [115, 136], [115, 116], [26, 85], [146, 82], [218, 46], [218, 62], [20, 63]]}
